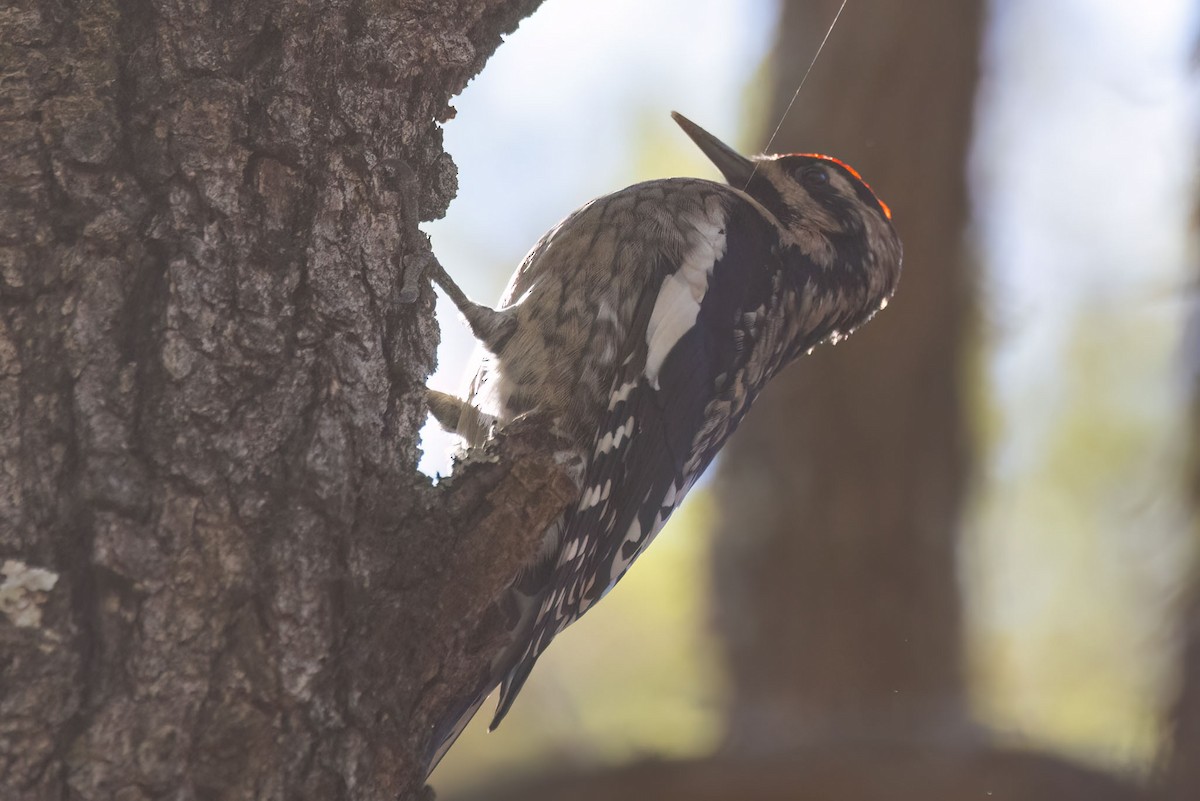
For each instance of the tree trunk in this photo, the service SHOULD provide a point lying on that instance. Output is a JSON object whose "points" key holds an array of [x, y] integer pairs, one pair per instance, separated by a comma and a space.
{"points": [[1181, 779], [223, 577], [841, 497]]}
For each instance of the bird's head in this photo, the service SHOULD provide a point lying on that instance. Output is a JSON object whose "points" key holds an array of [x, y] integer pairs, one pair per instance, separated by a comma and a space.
{"points": [[820, 204]]}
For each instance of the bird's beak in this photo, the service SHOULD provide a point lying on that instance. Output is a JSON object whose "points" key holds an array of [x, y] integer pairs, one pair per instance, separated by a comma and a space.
{"points": [[736, 168]]}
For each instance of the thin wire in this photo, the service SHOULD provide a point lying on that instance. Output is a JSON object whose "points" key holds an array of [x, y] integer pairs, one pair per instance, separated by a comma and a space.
{"points": [[796, 94]]}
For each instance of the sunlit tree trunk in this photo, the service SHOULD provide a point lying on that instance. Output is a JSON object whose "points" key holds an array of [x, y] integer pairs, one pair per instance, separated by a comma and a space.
{"points": [[223, 577]]}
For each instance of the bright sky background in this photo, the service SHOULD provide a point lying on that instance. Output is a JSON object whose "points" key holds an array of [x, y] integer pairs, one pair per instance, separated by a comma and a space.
{"points": [[1084, 155], [1084, 169], [558, 116]]}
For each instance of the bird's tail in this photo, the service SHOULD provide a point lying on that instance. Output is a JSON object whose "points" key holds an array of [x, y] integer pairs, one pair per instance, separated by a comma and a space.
{"points": [[511, 686], [519, 606], [453, 724]]}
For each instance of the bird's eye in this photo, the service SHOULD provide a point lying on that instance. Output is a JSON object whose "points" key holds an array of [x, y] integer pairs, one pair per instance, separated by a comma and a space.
{"points": [[814, 176]]}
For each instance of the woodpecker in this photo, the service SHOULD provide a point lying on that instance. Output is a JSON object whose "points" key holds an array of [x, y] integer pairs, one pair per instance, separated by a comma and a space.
{"points": [[645, 324]]}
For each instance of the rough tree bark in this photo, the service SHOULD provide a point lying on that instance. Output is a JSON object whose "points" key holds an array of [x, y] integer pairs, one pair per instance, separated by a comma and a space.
{"points": [[223, 577]]}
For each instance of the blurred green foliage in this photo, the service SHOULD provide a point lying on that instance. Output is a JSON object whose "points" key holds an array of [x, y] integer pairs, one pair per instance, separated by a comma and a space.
{"points": [[1075, 555]]}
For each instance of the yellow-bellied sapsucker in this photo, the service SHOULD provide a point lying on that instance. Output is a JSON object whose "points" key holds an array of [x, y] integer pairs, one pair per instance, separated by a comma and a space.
{"points": [[646, 323]]}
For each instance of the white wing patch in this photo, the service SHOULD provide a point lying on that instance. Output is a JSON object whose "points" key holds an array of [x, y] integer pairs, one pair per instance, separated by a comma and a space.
{"points": [[593, 497], [622, 393], [679, 298], [634, 535], [612, 440], [619, 564]]}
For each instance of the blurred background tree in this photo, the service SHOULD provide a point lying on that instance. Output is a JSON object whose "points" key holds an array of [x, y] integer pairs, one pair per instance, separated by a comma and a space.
{"points": [[948, 554], [840, 503]]}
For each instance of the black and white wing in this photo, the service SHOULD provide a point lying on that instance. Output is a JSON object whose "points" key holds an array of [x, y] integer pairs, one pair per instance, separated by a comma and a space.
{"points": [[669, 412]]}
